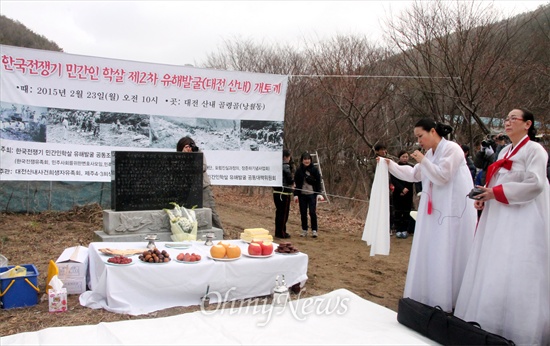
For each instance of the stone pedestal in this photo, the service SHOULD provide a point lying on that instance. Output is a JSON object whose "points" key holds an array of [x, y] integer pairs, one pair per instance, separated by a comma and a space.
{"points": [[130, 226]]}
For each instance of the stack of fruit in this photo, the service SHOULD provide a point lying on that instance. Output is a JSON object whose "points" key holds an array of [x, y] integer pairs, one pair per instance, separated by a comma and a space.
{"points": [[260, 248], [225, 250], [187, 257], [155, 256]]}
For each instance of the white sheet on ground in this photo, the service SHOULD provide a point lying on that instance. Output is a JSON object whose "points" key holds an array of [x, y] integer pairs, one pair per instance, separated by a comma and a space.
{"points": [[337, 318], [377, 225]]}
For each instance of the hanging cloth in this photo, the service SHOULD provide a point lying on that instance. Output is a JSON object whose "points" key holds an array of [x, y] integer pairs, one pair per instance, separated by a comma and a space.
{"points": [[377, 225]]}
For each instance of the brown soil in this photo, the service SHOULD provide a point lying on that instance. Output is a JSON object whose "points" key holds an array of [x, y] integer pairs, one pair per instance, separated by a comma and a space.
{"points": [[337, 258]]}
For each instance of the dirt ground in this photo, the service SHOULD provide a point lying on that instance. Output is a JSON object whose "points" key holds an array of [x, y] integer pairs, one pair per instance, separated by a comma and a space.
{"points": [[337, 258]]}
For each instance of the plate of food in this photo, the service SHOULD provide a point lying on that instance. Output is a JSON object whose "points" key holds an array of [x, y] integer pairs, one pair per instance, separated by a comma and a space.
{"points": [[190, 258], [120, 252], [225, 259], [286, 248], [187, 262], [119, 261], [119, 264], [287, 253], [142, 261], [258, 256], [181, 245]]}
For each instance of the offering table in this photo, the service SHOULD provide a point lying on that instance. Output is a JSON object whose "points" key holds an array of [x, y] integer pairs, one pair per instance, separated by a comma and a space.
{"points": [[141, 288]]}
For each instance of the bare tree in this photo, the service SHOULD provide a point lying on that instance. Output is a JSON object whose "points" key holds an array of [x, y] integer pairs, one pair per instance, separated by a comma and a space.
{"points": [[463, 57]]}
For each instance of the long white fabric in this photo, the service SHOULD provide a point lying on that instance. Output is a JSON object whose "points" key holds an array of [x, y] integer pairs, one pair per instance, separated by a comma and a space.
{"points": [[337, 318], [377, 225], [506, 286], [442, 239], [143, 288]]}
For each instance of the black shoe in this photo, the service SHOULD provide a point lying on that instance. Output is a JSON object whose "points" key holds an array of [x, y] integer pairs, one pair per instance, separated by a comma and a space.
{"points": [[286, 236], [279, 236]]}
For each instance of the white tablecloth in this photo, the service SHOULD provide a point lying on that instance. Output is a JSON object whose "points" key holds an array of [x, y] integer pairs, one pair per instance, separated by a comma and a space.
{"points": [[336, 318], [143, 288]]}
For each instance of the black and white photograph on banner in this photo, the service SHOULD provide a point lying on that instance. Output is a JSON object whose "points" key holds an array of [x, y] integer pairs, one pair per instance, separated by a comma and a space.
{"points": [[261, 135], [97, 105], [22, 122], [208, 133], [98, 128]]}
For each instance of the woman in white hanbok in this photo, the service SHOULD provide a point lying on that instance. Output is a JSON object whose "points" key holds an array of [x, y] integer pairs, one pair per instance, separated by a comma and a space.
{"points": [[446, 218], [506, 285]]}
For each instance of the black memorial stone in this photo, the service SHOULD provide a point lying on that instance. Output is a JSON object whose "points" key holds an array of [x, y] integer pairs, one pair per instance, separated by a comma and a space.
{"points": [[151, 180]]}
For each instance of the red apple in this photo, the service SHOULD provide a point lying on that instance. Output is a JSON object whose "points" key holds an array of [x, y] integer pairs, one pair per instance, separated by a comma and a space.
{"points": [[254, 249], [267, 248]]}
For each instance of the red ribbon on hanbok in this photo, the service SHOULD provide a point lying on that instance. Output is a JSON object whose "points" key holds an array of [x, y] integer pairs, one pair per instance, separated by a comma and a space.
{"points": [[504, 162], [430, 205]]}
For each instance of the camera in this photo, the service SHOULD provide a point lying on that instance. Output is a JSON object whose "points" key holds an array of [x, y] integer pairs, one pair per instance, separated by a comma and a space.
{"points": [[502, 137], [194, 147], [487, 143], [475, 192]]}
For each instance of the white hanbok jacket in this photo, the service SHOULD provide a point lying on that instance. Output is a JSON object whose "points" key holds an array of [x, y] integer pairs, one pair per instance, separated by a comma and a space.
{"points": [[506, 285], [442, 239]]}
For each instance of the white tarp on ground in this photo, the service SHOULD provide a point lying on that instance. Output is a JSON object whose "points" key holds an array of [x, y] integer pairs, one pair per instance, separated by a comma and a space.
{"points": [[337, 318]]}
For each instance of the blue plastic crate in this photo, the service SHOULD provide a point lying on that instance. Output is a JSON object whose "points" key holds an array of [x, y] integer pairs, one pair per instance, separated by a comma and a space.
{"points": [[19, 291]]}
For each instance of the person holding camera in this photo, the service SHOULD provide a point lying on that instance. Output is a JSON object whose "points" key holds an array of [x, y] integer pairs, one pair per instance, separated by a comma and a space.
{"points": [[490, 148], [469, 162], [446, 218], [483, 158], [501, 140], [187, 145], [506, 284], [307, 192]]}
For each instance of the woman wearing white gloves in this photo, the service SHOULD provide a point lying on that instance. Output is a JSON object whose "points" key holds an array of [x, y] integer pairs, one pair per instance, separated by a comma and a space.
{"points": [[307, 192]]}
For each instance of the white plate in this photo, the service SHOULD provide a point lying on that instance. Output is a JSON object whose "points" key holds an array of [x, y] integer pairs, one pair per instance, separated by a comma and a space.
{"points": [[254, 256], [160, 263], [178, 245], [188, 262], [223, 259], [284, 253], [120, 265], [108, 255]]}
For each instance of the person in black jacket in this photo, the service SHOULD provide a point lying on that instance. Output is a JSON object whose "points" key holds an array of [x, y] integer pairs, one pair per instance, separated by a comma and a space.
{"points": [[402, 201], [469, 162], [282, 196], [307, 192]]}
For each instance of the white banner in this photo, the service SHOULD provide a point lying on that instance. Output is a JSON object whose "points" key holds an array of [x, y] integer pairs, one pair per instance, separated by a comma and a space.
{"points": [[62, 115]]}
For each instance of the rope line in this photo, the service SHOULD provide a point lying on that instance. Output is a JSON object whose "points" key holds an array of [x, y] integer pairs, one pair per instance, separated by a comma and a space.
{"points": [[337, 196]]}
